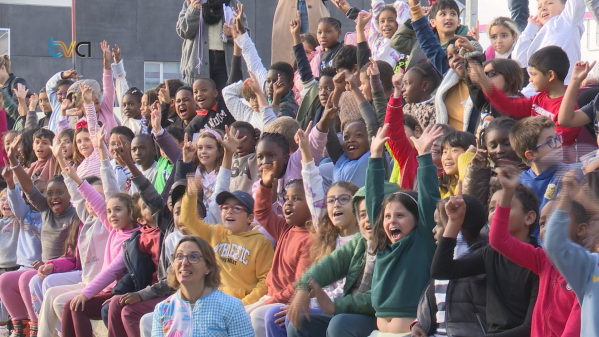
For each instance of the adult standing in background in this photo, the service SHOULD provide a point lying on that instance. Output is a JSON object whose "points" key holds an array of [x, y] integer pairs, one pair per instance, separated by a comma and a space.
{"points": [[207, 44], [8, 82], [311, 11], [519, 12]]}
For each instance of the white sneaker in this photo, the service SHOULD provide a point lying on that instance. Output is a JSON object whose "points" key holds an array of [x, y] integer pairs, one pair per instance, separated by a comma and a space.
{"points": [[4, 331]]}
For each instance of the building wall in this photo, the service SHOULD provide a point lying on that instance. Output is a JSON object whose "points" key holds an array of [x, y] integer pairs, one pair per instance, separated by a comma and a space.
{"points": [[144, 29]]}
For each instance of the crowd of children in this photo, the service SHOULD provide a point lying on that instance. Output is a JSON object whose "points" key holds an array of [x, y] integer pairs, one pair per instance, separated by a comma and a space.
{"points": [[403, 180]]}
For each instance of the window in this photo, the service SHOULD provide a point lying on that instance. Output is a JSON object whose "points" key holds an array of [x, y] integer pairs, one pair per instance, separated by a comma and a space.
{"points": [[5, 41], [156, 72]]}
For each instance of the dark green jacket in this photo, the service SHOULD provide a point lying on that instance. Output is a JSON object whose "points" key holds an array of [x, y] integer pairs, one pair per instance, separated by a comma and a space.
{"points": [[404, 41], [402, 269], [346, 261]]}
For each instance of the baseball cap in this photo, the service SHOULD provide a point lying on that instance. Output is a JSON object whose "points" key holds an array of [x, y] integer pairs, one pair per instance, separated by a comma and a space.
{"points": [[178, 190], [243, 197]]}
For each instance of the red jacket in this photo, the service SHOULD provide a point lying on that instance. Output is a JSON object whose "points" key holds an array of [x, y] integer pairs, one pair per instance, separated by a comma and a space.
{"points": [[401, 148], [557, 312], [292, 254], [538, 105]]}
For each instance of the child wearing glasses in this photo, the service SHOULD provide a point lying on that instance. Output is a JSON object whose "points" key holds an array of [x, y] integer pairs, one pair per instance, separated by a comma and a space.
{"points": [[548, 69], [245, 254], [538, 143]]}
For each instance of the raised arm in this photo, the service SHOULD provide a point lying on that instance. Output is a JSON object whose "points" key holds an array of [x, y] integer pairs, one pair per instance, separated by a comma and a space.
{"points": [[107, 106], [428, 183], [375, 174], [251, 57], [398, 141], [568, 116], [274, 224], [95, 200], [315, 193], [573, 261], [520, 53], [517, 251], [303, 65], [119, 74], [366, 109]]}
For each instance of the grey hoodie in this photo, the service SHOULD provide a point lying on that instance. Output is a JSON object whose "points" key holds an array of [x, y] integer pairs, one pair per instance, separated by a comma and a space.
{"points": [[578, 266]]}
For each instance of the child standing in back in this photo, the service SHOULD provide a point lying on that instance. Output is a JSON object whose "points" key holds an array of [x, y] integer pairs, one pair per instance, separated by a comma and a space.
{"points": [[503, 34], [557, 23]]}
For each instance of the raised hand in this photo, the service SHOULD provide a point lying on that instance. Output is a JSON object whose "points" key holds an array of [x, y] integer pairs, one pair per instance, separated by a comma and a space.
{"points": [[302, 140], [339, 81], [86, 92], [455, 208], [535, 21], [268, 173], [13, 150], [33, 102], [279, 88], [480, 158], [351, 82], [475, 32], [363, 19], [71, 73], [425, 142], [295, 26], [253, 83], [426, 10], [7, 175], [99, 140], [464, 43], [570, 185], [105, 54], [231, 141], [509, 177], [164, 94], [239, 18], [189, 149], [342, 5], [330, 112], [64, 106], [116, 54], [373, 68], [197, 4], [581, 70], [156, 117], [20, 91], [57, 150], [71, 172], [414, 3], [478, 76], [377, 144]]}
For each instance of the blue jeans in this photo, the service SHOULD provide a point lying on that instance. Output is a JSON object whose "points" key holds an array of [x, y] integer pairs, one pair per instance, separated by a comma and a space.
{"points": [[342, 325], [275, 330], [301, 7], [520, 13]]}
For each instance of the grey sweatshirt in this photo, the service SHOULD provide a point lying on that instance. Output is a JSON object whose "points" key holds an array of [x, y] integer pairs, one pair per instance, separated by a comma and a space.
{"points": [[9, 238], [55, 228], [578, 266]]}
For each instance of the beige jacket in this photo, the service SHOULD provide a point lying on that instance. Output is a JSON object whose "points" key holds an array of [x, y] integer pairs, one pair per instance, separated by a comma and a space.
{"points": [[285, 12]]}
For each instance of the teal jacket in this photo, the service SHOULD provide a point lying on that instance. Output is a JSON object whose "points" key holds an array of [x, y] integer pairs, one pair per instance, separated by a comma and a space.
{"points": [[402, 269], [346, 261]]}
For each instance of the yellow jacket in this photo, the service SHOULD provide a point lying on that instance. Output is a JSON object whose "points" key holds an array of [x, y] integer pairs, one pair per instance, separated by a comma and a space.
{"points": [[245, 257]]}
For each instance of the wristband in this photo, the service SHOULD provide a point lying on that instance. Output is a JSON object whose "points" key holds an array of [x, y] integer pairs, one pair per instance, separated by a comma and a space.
{"points": [[14, 167]]}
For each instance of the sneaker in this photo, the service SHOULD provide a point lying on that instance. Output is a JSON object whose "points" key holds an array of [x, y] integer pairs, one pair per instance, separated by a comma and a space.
{"points": [[4, 332], [32, 328], [20, 328]]}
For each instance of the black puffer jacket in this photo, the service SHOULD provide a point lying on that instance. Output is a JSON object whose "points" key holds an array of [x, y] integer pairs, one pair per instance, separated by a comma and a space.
{"points": [[465, 306], [140, 268]]}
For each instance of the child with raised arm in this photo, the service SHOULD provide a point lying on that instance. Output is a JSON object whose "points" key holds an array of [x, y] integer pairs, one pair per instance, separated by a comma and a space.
{"points": [[510, 315], [58, 215], [577, 265], [556, 312], [245, 254], [402, 238], [558, 23], [91, 245]]}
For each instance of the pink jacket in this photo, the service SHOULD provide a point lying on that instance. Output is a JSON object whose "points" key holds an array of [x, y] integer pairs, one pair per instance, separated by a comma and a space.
{"points": [[67, 263], [557, 312], [106, 115], [115, 238]]}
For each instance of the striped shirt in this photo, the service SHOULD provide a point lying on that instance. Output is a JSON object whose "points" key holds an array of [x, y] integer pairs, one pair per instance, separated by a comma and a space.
{"points": [[90, 166]]}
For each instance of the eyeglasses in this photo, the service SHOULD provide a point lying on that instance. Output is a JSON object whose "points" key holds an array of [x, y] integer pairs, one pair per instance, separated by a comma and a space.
{"points": [[553, 142], [192, 258], [343, 199], [61, 93], [236, 209], [491, 73]]}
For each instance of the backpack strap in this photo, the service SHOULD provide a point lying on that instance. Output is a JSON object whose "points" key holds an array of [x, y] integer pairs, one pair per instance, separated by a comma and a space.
{"points": [[12, 85]]}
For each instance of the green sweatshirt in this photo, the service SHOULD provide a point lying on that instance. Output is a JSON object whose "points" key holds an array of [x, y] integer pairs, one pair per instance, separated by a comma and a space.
{"points": [[402, 269]]}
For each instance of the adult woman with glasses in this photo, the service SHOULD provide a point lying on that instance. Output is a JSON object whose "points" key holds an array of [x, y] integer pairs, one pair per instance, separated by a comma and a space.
{"points": [[198, 308]]}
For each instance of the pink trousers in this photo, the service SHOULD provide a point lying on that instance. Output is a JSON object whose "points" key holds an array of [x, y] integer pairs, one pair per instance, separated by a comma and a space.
{"points": [[15, 294]]}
